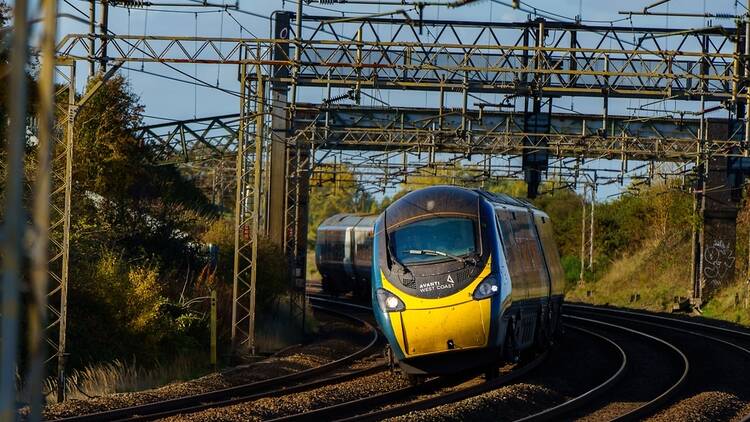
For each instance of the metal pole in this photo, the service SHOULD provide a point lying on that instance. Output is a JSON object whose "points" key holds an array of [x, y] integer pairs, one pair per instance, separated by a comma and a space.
{"points": [[12, 239], [105, 35], [238, 202], [591, 229], [41, 212], [358, 69], [213, 329], [297, 53], [259, 125], [61, 355], [92, 38], [747, 77], [583, 234]]}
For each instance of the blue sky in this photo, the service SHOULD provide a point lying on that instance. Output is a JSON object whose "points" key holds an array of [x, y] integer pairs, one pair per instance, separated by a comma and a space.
{"points": [[165, 99]]}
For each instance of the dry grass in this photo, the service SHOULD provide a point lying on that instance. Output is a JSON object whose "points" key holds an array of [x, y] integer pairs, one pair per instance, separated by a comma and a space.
{"points": [[659, 271], [731, 304], [118, 376], [649, 279]]}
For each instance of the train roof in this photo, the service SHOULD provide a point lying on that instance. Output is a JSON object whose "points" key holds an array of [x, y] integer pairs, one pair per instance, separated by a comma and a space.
{"points": [[504, 199], [343, 220], [445, 199]]}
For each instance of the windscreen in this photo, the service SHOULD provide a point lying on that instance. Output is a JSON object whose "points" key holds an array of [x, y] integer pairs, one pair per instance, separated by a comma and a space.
{"points": [[432, 240]]}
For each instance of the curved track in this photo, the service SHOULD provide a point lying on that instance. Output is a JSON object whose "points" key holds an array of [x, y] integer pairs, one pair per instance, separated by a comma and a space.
{"points": [[287, 384], [648, 354], [718, 355], [639, 411], [665, 388], [362, 409]]}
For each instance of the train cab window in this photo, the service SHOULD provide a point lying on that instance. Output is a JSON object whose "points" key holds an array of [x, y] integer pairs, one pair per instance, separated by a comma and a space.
{"points": [[434, 240]]}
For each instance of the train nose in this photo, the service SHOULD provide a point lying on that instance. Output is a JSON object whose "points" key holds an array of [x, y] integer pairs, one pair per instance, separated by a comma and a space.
{"points": [[461, 326]]}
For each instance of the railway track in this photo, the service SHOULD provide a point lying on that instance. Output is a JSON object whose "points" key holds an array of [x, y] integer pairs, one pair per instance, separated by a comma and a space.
{"points": [[715, 386], [287, 384], [661, 394], [362, 409], [645, 355], [650, 397]]}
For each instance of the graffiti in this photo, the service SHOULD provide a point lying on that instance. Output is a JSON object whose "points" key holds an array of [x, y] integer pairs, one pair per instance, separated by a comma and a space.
{"points": [[718, 260]]}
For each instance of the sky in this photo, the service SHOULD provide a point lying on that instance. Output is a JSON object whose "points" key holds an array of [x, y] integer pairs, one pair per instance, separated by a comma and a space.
{"points": [[166, 99]]}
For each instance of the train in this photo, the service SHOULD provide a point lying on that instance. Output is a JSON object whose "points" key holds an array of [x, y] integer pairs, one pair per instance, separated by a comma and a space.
{"points": [[462, 278], [343, 254]]}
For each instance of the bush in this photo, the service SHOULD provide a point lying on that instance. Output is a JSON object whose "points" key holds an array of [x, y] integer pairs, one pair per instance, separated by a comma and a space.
{"points": [[118, 310]]}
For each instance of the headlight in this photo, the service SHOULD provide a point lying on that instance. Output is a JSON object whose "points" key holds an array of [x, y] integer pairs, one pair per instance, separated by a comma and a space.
{"points": [[389, 302], [488, 287]]}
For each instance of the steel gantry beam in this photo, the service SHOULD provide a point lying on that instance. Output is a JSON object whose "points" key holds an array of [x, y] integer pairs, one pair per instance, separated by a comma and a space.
{"points": [[435, 131], [578, 60]]}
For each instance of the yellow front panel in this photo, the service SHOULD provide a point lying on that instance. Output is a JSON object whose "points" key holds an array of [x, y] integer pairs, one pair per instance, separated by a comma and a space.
{"points": [[429, 330], [427, 324]]}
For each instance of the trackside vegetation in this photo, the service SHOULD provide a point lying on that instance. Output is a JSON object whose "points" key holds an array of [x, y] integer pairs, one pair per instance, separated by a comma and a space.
{"points": [[138, 252]]}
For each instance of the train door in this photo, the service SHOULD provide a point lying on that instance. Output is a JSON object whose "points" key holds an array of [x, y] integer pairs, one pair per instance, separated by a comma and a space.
{"points": [[526, 266], [349, 245], [528, 243], [538, 222], [554, 269], [551, 255], [513, 256]]}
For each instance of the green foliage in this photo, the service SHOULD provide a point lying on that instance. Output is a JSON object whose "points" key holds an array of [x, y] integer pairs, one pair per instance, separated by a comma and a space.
{"points": [[331, 195], [572, 268], [134, 248], [273, 280], [118, 309]]}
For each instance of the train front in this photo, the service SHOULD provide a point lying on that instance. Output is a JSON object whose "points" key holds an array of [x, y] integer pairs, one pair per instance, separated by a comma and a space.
{"points": [[435, 292]]}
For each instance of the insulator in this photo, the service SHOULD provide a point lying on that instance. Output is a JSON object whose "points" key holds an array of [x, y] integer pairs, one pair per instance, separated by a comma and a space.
{"points": [[131, 4], [339, 98]]}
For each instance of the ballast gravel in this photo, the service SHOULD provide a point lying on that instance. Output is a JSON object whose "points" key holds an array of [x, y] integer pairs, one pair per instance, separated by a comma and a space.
{"points": [[506, 403], [336, 339], [708, 406], [273, 407]]}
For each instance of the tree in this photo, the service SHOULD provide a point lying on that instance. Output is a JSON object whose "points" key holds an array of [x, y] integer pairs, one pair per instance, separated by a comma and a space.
{"points": [[335, 190], [149, 210], [135, 235]]}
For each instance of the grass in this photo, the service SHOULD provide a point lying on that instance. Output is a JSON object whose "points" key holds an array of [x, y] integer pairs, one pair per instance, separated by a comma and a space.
{"points": [[731, 304], [650, 278], [119, 377], [658, 272]]}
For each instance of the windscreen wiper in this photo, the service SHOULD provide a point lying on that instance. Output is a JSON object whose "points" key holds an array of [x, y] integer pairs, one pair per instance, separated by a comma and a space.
{"points": [[441, 253]]}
